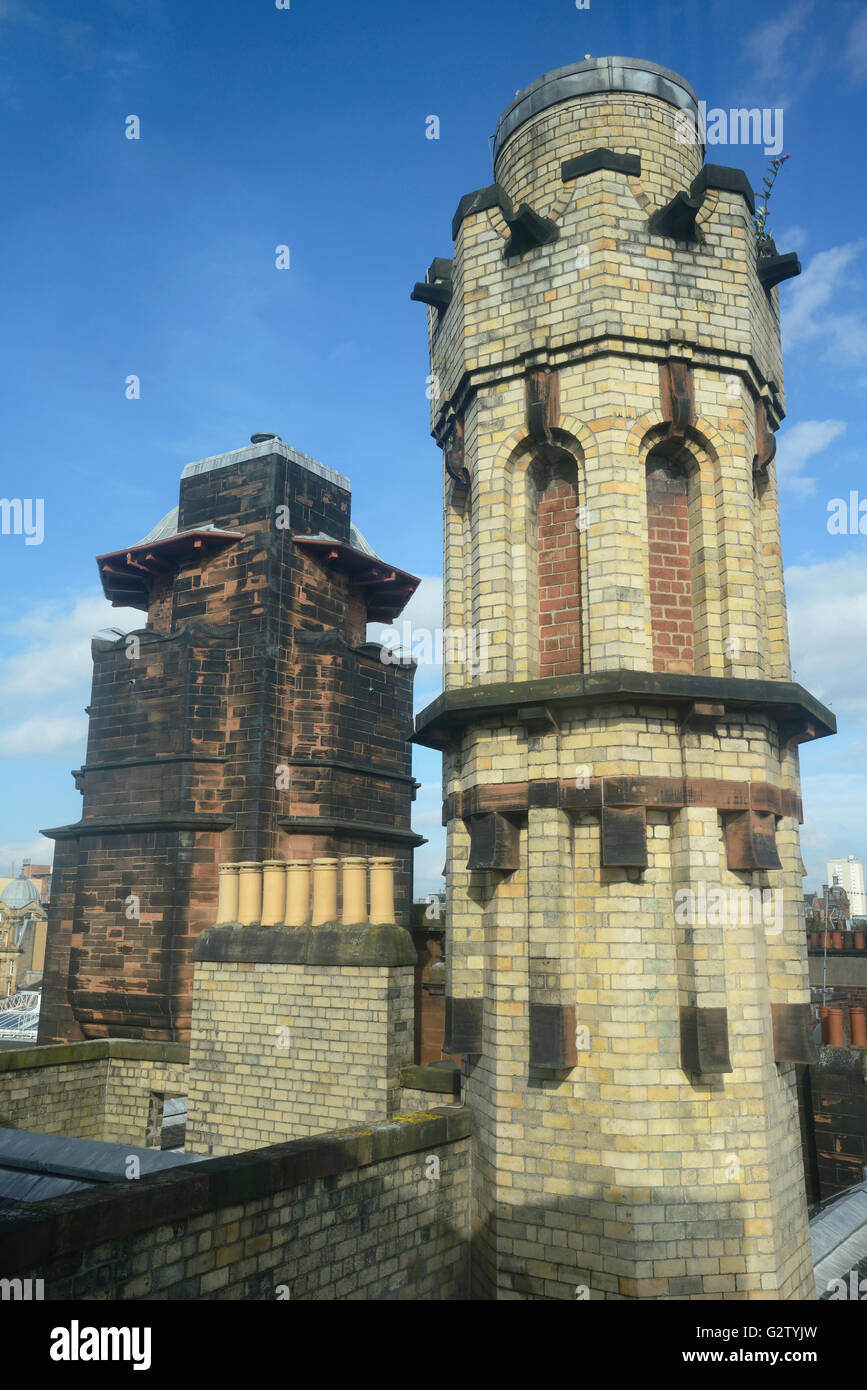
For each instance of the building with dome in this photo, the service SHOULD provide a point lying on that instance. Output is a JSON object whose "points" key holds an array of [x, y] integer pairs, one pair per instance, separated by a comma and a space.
{"points": [[23, 923]]}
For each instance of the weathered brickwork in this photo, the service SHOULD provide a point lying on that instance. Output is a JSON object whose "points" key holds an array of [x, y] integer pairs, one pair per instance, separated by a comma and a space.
{"points": [[98, 1090], [669, 567], [283, 1051], [609, 1163], [253, 660], [359, 1214], [559, 580]]}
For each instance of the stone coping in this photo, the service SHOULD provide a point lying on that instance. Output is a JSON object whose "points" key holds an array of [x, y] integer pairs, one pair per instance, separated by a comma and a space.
{"points": [[72, 1053], [447, 715], [35, 1235], [443, 1077], [588, 78], [329, 944]]}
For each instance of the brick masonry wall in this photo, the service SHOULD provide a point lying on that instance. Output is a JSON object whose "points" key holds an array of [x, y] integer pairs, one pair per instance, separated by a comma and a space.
{"points": [[361, 1214], [559, 581], [283, 1051], [622, 1172], [66, 1100], [93, 1090], [670, 568]]}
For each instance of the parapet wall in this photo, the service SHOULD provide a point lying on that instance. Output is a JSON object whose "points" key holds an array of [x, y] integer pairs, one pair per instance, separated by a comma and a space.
{"points": [[376, 1213], [92, 1090]]}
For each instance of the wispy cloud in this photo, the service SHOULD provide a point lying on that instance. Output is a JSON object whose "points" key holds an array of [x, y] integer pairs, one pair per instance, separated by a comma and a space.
{"points": [[47, 674], [784, 54], [855, 48], [809, 315], [800, 443], [827, 604]]}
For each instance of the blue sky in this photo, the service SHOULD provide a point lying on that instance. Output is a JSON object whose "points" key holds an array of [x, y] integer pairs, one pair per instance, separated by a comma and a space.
{"points": [[306, 127]]}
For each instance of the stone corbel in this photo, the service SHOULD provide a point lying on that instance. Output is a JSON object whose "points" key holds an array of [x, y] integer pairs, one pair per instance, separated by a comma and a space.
{"points": [[773, 270], [677, 218], [624, 837], [542, 402], [793, 1034], [494, 842], [437, 289], [677, 390], [602, 158], [751, 841], [552, 1037], [453, 454], [463, 1026], [704, 1041], [528, 230], [766, 443]]}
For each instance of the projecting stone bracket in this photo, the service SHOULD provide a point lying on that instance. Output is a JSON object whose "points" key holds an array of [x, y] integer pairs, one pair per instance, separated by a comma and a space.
{"points": [[766, 444], [436, 290], [624, 837], [528, 230], [493, 196], [463, 1027], [751, 841], [772, 270], [704, 1041], [602, 158], [677, 396], [703, 715], [793, 1034], [724, 178], [538, 720], [677, 218], [494, 843], [552, 1037], [542, 403]]}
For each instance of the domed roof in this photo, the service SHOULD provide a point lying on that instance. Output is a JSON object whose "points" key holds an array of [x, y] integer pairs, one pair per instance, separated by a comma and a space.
{"points": [[21, 892]]}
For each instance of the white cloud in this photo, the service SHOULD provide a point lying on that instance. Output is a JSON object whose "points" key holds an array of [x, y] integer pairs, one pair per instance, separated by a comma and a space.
{"points": [[799, 443], [834, 821], [12, 852], [47, 676], [827, 605], [42, 738], [855, 48], [768, 46], [793, 238], [807, 317]]}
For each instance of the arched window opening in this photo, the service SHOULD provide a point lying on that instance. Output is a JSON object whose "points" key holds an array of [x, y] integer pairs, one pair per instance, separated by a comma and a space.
{"points": [[671, 578], [558, 563]]}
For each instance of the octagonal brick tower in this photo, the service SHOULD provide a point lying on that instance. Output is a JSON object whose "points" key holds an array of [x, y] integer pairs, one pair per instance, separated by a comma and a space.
{"points": [[628, 981]]}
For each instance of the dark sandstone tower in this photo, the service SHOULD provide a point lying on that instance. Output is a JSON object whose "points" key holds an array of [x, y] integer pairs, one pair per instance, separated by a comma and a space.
{"points": [[606, 343], [249, 720]]}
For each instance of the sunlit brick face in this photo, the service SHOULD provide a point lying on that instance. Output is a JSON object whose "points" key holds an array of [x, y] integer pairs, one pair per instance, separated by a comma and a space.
{"points": [[670, 567], [559, 580]]}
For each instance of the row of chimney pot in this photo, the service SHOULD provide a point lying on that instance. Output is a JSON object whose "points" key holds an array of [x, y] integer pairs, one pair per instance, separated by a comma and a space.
{"points": [[833, 1034], [838, 940], [278, 892]]}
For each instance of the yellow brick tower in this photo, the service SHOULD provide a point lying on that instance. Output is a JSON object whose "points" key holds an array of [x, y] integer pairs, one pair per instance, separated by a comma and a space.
{"points": [[628, 981]]}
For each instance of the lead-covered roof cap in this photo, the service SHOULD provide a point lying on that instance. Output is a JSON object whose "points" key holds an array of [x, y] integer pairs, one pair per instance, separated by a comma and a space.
{"points": [[592, 75]]}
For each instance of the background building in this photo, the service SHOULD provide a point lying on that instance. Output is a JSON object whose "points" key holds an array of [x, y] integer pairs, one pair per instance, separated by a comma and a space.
{"points": [[248, 720], [849, 873]]}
